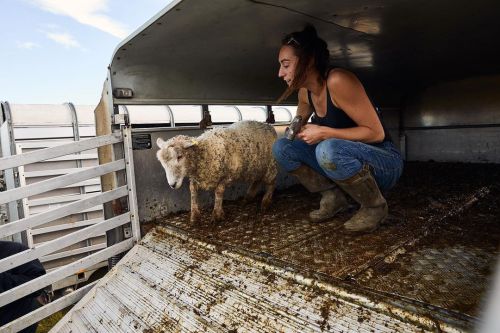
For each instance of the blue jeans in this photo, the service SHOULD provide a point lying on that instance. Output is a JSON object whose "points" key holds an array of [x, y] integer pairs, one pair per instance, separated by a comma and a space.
{"points": [[341, 159]]}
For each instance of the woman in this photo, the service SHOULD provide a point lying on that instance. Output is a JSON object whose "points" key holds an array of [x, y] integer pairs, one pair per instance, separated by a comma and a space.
{"points": [[345, 140]]}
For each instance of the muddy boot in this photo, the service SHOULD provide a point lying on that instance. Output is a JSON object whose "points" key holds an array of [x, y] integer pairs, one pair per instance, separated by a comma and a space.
{"points": [[363, 188], [332, 202], [332, 198]]}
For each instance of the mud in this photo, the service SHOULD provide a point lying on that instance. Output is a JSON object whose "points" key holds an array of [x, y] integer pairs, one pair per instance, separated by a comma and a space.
{"points": [[438, 246]]}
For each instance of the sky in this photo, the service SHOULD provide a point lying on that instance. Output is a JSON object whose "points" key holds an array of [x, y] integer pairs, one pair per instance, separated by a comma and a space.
{"points": [[57, 51]]}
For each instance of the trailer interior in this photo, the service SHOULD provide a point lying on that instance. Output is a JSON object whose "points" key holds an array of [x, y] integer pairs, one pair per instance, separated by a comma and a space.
{"points": [[431, 68]]}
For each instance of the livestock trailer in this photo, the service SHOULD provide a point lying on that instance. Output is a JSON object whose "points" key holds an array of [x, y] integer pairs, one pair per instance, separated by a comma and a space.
{"points": [[432, 71]]}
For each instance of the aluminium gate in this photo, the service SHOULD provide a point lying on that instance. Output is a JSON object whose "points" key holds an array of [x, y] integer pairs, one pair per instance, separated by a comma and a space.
{"points": [[54, 246]]}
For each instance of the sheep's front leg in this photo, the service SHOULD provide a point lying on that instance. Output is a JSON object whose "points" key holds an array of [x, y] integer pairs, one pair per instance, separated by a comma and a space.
{"points": [[195, 209], [218, 213]]}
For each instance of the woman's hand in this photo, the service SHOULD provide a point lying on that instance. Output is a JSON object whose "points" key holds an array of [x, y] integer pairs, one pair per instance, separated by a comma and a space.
{"points": [[311, 134]]}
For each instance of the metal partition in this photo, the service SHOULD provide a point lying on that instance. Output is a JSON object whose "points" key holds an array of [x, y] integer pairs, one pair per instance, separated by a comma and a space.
{"points": [[57, 245]]}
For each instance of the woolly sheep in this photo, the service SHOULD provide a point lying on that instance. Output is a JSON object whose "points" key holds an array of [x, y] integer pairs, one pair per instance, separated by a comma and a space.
{"points": [[220, 157]]}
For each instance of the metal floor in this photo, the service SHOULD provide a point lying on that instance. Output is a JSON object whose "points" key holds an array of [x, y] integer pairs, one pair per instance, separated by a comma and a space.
{"points": [[425, 270], [438, 246]]}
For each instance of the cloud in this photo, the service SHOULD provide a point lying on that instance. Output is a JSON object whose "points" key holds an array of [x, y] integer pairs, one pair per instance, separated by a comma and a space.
{"points": [[63, 38], [27, 45], [88, 12]]}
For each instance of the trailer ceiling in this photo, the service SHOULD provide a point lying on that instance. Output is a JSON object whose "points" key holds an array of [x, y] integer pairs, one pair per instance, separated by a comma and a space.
{"points": [[225, 51]]}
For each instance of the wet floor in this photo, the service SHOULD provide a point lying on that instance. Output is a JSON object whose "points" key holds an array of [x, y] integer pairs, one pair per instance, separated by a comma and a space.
{"points": [[438, 246]]}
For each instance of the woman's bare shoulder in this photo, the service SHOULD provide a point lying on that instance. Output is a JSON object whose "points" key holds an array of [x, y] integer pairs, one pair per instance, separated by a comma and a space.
{"points": [[342, 81]]}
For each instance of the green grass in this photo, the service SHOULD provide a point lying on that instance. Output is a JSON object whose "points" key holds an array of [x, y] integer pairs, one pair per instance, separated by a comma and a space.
{"points": [[46, 324]]}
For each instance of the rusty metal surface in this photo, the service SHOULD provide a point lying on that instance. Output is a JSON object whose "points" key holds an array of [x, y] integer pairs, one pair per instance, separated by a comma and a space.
{"points": [[428, 196], [451, 265]]}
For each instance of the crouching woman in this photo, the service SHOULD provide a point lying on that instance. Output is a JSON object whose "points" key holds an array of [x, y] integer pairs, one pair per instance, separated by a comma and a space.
{"points": [[345, 149]]}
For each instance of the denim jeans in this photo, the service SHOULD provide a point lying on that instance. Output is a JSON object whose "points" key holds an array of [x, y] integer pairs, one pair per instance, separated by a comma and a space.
{"points": [[340, 159]]}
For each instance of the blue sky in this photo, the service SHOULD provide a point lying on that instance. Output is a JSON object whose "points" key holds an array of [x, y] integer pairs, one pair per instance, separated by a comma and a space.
{"points": [[56, 51]]}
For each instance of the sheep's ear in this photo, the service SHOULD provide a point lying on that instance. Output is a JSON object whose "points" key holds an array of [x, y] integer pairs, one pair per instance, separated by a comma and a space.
{"points": [[160, 143], [189, 143]]}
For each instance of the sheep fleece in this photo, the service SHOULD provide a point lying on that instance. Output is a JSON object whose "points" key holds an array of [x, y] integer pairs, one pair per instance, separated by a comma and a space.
{"points": [[240, 152]]}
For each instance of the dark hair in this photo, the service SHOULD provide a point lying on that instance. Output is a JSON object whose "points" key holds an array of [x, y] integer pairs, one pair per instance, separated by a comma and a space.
{"points": [[307, 47]]}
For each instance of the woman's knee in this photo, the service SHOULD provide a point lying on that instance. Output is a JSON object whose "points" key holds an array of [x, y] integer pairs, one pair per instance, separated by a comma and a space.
{"points": [[279, 147], [328, 153]]}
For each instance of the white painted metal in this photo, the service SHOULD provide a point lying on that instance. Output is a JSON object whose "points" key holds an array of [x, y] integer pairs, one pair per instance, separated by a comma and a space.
{"points": [[45, 143], [58, 199], [65, 226], [35, 182], [45, 311], [30, 222], [148, 114], [73, 157], [69, 253], [9, 175], [31, 132], [62, 242], [59, 273], [55, 172], [42, 114], [44, 154], [132, 198], [57, 182]]}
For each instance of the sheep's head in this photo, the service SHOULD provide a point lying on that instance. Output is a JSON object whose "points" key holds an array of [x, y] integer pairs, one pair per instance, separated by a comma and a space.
{"points": [[172, 155]]}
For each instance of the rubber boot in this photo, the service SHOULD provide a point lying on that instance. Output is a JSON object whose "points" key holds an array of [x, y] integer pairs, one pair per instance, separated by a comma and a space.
{"points": [[363, 188], [332, 198]]}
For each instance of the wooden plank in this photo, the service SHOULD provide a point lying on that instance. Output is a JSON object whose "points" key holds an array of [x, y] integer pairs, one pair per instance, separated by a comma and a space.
{"points": [[60, 181], [75, 207], [60, 273], [48, 153], [62, 242]]}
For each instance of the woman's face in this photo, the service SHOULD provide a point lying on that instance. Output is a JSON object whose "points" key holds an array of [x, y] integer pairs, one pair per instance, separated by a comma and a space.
{"points": [[288, 62]]}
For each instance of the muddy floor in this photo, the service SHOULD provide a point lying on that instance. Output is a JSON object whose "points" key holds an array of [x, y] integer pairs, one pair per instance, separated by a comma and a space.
{"points": [[438, 246]]}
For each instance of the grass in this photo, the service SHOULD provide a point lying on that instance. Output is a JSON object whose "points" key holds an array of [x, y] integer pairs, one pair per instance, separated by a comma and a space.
{"points": [[46, 324]]}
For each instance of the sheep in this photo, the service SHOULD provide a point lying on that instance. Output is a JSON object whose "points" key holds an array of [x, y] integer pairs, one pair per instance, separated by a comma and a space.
{"points": [[220, 157]]}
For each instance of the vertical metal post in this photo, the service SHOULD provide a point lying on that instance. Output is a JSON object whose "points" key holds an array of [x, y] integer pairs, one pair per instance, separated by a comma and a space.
{"points": [[11, 181], [206, 119], [270, 115], [76, 137], [171, 115], [238, 111], [129, 168]]}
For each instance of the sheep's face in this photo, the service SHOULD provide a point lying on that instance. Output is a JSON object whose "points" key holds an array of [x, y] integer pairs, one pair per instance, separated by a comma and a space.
{"points": [[173, 158]]}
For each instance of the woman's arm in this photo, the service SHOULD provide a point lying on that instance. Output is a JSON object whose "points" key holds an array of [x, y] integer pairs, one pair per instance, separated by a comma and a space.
{"points": [[303, 107], [349, 95]]}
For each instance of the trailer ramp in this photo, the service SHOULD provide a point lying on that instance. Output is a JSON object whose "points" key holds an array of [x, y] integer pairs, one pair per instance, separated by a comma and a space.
{"points": [[174, 283]]}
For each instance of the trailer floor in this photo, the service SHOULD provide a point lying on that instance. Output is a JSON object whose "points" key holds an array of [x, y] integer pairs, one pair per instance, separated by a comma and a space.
{"points": [[439, 245]]}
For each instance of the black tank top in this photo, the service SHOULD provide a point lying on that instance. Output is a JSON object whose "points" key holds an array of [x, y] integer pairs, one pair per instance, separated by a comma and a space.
{"points": [[337, 118]]}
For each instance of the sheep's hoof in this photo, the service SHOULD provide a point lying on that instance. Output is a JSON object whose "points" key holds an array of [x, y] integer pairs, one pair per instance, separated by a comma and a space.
{"points": [[195, 217], [217, 217], [265, 205]]}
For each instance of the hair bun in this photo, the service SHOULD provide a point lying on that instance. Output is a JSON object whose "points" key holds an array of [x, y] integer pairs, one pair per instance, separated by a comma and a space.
{"points": [[309, 32]]}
